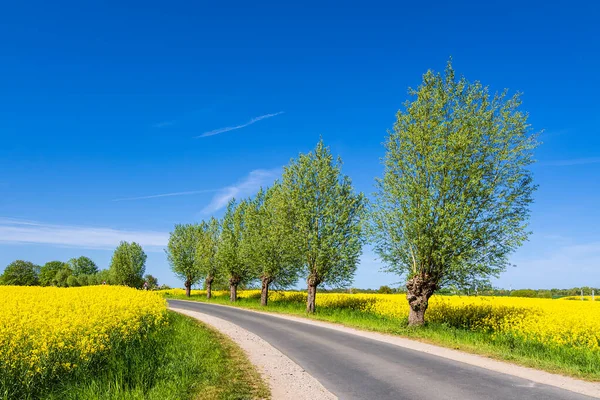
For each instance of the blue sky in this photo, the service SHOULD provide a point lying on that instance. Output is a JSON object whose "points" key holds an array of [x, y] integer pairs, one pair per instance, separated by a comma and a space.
{"points": [[103, 105]]}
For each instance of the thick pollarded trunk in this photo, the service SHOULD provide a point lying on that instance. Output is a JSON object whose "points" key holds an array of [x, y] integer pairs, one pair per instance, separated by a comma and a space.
{"points": [[233, 284], [209, 282], [264, 292], [419, 289], [188, 288], [312, 295]]}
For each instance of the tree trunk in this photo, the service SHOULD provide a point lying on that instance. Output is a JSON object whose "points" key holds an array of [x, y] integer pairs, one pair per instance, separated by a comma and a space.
{"points": [[419, 289], [209, 282], [233, 284], [264, 293], [188, 288], [312, 295]]}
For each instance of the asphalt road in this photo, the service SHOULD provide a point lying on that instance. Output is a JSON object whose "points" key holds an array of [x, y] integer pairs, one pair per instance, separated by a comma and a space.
{"points": [[353, 367]]}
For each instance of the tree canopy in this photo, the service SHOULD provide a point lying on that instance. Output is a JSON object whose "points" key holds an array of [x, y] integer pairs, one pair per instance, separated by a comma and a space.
{"points": [[181, 253], [454, 200], [326, 216], [82, 266], [128, 265], [20, 273], [206, 252]]}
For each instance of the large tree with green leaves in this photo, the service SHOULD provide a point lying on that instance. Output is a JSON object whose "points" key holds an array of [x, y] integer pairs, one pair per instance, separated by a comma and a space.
{"points": [[206, 252], [49, 271], [327, 219], [181, 253], [270, 245], [82, 266], [232, 264], [128, 264], [20, 273], [454, 199]]}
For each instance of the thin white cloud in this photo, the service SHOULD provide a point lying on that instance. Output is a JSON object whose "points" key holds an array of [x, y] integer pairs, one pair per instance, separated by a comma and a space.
{"points": [[574, 161], [15, 231], [232, 128], [154, 196], [246, 187]]}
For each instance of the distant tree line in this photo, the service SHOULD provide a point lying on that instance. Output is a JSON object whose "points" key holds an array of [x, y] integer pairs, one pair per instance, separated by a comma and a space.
{"points": [[127, 268]]}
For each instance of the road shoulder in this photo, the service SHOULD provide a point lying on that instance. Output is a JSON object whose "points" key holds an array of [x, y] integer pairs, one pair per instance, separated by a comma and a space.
{"points": [[286, 379]]}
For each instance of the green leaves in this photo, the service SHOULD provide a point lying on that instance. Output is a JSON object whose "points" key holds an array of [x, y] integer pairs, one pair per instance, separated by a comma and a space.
{"points": [[230, 255], [128, 264], [207, 247], [182, 252], [453, 202], [326, 216]]}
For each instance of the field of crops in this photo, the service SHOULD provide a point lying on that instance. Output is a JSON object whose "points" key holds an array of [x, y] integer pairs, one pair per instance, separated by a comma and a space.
{"points": [[553, 323], [48, 333]]}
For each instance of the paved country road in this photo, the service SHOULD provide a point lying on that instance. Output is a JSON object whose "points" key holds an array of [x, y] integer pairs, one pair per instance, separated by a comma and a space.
{"points": [[354, 367]]}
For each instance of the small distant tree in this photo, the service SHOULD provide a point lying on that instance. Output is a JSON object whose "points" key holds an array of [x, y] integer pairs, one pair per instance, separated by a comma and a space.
{"points": [[73, 281], [232, 264], [326, 215], [454, 199], [49, 270], [151, 281], [181, 253], [102, 277], [270, 245], [82, 266], [61, 277], [206, 253], [385, 290], [128, 264], [21, 273]]}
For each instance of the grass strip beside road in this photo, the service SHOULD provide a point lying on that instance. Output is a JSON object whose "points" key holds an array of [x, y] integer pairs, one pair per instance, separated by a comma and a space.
{"points": [[186, 360], [578, 363]]}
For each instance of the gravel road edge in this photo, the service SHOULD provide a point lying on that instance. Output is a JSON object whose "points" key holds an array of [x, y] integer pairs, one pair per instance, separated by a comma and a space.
{"points": [[286, 379]]}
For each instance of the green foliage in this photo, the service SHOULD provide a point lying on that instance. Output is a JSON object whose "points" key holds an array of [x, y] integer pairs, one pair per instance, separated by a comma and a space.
{"points": [[453, 202], [49, 270], [326, 216], [230, 258], [385, 290], [73, 281], [61, 277], [182, 360], [82, 266], [207, 247], [270, 244], [128, 264], [151, 281], [20, 273], [181, 252]]}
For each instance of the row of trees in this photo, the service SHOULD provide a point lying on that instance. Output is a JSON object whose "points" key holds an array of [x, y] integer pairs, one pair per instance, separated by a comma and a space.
{"points": [[126, 268], [309, 224], [452, 204]]}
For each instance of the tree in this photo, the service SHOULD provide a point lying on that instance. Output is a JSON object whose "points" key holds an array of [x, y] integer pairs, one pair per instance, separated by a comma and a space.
{"points": [[61, 277], [181, 254], [21, 273], [151, 281], [326, 215], [270, 245], [230, 259], [453, 202], [128, 264], [206, 253], [82, 266], [73, 281], [49, 270]]}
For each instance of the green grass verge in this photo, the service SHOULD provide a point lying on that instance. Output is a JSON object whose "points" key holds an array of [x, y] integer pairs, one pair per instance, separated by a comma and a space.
{"points": [[186, 360], [579, 363]]}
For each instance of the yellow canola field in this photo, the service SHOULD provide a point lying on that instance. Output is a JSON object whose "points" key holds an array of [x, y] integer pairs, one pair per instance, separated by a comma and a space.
{"points": [[547, 321], [47, 331]]}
